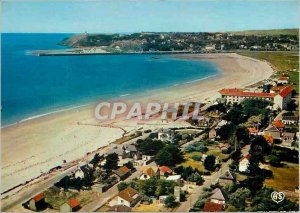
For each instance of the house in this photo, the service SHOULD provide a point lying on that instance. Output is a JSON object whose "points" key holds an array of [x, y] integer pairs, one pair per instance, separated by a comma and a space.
{"points": [[227, 178], [175, 178], [283, 80], [128, 197], [235, 95], [219, 196], [149, 172], [38, 203], [119, 208], [125, 151], [288, 138], [165, 171], [82, 171], [279, 125], [289, 120], [269, 138], [252, 131], [165, 135], [212, 207], [276, 89], [162, 199], [146, 159], [72, 205], [244, 163], [121, 173], [272, 131], [212, 134]]}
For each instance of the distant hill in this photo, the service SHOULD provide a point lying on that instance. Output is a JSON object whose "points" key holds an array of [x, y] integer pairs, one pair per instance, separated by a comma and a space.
{"points": [[268, 32]]}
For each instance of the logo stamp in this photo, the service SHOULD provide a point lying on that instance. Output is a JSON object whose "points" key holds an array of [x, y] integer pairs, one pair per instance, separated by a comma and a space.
{"points": [[277, 197]]}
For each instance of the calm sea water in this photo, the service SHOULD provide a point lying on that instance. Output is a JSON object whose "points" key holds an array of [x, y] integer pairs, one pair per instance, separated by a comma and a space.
{"points": [[33, 85]]}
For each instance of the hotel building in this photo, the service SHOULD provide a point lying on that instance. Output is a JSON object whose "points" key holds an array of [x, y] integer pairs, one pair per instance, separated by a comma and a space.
{"points": [[280, 99]]}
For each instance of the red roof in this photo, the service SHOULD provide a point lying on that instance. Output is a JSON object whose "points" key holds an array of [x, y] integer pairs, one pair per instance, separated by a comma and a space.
{"points": [[238, 92], [212, 207], [285, 91], [248, 156], [277, 88], [38, 197], [124, 169], [252, 130], [278, 124], [283, 78], [73, 202], [269, 138], [165, 169]]}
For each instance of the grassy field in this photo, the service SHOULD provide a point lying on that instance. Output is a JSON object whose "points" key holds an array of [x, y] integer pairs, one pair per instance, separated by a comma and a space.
{"points": [[192, 163], [284, 178], [149, 208], [281, 61], [268, 32], [217, 152], [56, 199]]}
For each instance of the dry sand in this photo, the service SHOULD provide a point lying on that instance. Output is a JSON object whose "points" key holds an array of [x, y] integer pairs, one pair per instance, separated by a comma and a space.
{"points": [[37, 145]]}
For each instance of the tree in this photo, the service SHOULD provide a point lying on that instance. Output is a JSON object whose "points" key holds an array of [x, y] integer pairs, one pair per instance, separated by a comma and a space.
{"points": [[122, 186], [149, 146], [238, 198], [111, 162], [170, 202], [170, 155], [96, 159], [226, 131], [274, 160], [209, 162], [242, 134], [236, 115], [291, 106]]}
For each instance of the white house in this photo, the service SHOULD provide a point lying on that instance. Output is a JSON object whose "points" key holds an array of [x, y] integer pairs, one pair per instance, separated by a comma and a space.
{"points": [[128, 197], [244, 163], [283, 80], [165, 134], [175, 178]]}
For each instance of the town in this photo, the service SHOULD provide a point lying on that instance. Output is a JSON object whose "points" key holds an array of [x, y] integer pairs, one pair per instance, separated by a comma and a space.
{"points": [[149, 42], [226, 160]]}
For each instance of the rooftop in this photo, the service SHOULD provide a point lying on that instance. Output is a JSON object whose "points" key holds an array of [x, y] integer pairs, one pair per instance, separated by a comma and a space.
{"points": [[73, 202], [128, 193], [212, 207]]}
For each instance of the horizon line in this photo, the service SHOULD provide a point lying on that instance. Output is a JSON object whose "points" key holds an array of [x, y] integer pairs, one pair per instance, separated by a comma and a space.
{"points": [[229, 31]]}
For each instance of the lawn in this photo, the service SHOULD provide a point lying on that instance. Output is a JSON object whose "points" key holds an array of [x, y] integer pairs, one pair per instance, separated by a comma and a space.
{"points": [[149, 208], [192, 163], [56, 198], [217, 152], [282, 62], [284, 178]]}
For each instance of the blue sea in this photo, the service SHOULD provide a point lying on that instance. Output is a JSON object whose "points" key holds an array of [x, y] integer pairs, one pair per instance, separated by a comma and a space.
{"points": [[33, 85]]}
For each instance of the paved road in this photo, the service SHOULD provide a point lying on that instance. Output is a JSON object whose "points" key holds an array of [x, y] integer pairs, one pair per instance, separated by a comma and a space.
{"points": [[31, 190]]}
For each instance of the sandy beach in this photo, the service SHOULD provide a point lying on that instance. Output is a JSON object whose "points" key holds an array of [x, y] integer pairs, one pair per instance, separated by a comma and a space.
{"points": [[35, 146]]}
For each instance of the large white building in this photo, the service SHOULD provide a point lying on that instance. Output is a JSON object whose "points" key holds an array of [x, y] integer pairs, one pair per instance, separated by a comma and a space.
{"points": [[280, 99]]}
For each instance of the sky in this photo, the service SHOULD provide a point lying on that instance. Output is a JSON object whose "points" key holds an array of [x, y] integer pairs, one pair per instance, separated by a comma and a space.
{"points": [[126, 16]]}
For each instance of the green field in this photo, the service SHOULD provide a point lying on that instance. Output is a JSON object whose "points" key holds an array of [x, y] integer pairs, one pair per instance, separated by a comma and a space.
{"points": [[268, 32], [281, 61]]}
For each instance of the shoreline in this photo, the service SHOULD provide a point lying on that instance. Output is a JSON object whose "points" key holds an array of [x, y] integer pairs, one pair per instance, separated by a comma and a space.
{"points": [[31, 147]]}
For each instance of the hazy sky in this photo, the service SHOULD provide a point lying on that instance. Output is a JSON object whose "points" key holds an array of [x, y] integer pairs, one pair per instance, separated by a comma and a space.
{"points": [[147, 15]]}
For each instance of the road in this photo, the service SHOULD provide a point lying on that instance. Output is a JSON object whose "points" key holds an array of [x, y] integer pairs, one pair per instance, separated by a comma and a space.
{"points": [[44, 183], [192, 199]]}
